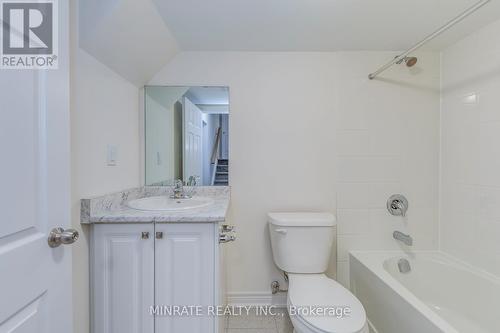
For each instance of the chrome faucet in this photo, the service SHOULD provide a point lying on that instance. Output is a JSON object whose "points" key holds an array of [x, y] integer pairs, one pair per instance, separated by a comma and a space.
{"points": [[401, 206], [406, 239], [178, 190], [397, 205]]}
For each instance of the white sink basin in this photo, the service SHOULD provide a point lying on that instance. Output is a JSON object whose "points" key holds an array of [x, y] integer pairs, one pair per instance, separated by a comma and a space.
{"points": [[164, 203]]}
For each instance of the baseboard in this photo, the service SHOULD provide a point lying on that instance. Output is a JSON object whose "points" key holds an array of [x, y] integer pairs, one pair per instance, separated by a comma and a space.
{"points": [[256, 299]]}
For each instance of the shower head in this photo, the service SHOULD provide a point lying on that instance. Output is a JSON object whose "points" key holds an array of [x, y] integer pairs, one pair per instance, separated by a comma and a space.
{"points": [[409, 61]]}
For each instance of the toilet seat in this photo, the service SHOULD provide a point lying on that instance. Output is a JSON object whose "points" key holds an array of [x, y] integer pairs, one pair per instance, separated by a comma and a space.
{"points": [[317, 290]]}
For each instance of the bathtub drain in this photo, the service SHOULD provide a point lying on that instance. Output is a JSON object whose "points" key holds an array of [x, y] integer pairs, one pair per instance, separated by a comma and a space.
{"points": [[404, 266]]}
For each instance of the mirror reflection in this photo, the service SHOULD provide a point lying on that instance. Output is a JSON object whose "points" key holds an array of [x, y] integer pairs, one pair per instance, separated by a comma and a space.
{"points": [[187, 135]]}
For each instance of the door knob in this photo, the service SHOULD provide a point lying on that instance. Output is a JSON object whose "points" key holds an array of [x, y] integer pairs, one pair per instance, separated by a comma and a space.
{"points": [[58, 236]]}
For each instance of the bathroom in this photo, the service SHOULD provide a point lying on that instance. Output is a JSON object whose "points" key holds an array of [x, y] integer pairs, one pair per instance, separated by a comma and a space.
{"points": [[307, 132]]}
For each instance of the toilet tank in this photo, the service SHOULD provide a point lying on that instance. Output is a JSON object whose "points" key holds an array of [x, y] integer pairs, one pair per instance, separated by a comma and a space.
{"points": [[301, 242]]}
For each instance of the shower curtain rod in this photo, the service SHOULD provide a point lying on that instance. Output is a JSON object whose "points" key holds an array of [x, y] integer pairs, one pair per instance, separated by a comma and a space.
{"points": [[430, 37]]}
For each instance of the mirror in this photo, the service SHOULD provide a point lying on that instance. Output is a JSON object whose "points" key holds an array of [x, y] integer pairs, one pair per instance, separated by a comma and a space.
{"points": [[186, 135]]}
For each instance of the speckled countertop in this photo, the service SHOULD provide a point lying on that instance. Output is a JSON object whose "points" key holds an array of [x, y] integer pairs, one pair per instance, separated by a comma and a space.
{"points": [[112, 208]]}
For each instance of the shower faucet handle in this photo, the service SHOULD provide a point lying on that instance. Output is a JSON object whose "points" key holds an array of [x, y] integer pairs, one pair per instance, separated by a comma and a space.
{"points": [[397, 205]]}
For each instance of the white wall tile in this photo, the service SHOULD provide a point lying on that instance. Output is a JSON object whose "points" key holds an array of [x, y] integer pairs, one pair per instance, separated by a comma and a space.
{"points": [[369, 169], [365, 195], [353, 142], [470, 148], [353, 221], [343, 273], [388, 142]]}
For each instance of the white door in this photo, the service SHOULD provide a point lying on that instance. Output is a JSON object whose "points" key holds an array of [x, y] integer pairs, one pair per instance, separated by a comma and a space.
{"points": [[185, 275], [123, 278], [35, 280], [193, 145]]}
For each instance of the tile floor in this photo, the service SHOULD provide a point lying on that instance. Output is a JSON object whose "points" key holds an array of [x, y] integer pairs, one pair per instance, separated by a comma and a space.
{"points": [[253, 323]]}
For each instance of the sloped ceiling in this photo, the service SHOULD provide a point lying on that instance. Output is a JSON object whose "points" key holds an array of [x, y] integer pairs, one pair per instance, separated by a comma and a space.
{"points": [[128, 36], [136, 38]]}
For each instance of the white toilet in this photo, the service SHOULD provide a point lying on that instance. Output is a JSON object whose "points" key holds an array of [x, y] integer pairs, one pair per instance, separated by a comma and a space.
{"points": [[301, 244]]}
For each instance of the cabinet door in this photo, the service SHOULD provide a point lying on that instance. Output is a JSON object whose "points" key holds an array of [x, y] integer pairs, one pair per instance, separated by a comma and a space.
{"points": [[123, 273], [185, 275]]}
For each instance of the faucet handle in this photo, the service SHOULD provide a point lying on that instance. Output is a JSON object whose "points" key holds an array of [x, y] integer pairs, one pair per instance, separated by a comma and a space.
{"points": [[397, 205], [192, 182], [177, 189], [178, 183]]}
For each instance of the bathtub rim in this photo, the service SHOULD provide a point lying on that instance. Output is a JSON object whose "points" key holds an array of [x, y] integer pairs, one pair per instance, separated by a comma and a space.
{"points": [[373, 261]]}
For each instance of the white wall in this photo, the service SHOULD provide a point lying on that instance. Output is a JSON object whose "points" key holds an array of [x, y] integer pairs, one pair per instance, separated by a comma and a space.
{"points": [[281, 144], [470, 215], [104, 110], [309, 132]]}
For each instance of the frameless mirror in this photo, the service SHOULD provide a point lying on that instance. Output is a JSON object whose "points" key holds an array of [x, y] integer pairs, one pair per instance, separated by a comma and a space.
{"points": [[186, 135]]}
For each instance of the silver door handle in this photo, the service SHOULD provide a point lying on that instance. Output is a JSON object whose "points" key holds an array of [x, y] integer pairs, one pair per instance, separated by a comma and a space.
{"points": [[58, 236]]}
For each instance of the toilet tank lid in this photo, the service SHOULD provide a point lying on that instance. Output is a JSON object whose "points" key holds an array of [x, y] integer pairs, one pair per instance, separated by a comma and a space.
{"points": [[302, 219]]}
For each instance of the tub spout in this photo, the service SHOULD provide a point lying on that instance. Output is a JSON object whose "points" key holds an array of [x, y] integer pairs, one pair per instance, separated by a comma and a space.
{"points": [[406, 239]]}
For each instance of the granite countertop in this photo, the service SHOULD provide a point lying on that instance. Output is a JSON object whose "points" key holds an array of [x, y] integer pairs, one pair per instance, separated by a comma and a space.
{"points": [[112, 208]]}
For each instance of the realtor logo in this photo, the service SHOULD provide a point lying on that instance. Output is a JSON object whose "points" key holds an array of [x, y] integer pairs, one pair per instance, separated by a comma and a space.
{"points": [[29, 34]]}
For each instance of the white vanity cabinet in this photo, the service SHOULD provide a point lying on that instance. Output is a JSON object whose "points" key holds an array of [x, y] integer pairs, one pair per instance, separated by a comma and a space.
{"points": [[185, 274], [136, 266], [122, 275]]}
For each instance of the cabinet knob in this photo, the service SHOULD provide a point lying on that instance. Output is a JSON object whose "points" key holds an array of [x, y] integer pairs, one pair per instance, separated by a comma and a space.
{"points": [[145, 235], [159, 235]]}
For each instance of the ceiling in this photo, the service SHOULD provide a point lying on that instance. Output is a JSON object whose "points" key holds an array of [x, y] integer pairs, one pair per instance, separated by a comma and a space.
{"points": [[128, 36], [213, 100], [136, 38], [209, 95], [316, 25]]}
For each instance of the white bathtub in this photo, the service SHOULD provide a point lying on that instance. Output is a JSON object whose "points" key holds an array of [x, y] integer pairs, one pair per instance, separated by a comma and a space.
{"points": [[439, 294]]}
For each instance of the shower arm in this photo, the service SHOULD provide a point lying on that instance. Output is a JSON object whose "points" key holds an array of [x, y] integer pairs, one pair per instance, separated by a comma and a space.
{"points": [[430, 37]]}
